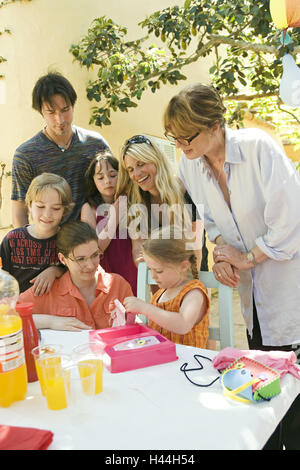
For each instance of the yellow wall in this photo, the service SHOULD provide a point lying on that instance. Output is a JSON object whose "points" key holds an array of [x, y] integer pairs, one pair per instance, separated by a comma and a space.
{"points": [[293, 152], [42, 32]]}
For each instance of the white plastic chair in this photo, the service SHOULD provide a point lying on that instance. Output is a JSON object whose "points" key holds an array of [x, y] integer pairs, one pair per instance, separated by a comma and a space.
{"points": [[224, 333]]}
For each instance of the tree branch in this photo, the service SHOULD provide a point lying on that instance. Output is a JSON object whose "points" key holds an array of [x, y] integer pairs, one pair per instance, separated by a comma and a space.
{"points": [[248, 97], [286, 111], [248, 46]]}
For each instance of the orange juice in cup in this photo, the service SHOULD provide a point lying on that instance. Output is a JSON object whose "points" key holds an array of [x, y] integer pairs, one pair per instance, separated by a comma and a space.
{"points": [[80, 383], [98, 363], [91, 353], [45, 350], [53, 380], [56, 393]]}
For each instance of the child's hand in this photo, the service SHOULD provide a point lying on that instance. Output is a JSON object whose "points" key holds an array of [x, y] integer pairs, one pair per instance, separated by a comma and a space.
{"points": [[134, 305], [43, 282]]}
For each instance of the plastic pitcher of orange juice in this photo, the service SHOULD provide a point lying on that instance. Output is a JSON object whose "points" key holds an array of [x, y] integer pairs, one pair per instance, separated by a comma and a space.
{"points": [[13, 373]]}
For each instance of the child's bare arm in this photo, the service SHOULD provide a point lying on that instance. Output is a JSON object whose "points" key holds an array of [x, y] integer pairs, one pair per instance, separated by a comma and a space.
{"points": [[88, 215], [137, 252], [107, 233], [56, 322], [43, 282], [191, 312]]}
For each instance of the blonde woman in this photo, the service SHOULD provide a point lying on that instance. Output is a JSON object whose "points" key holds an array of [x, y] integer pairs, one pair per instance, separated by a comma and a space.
{"points": [[29, 253], [155, 196]]}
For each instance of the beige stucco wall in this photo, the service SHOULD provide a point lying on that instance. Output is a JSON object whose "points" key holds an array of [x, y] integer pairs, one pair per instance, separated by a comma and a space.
{"points": [[42, 32]]}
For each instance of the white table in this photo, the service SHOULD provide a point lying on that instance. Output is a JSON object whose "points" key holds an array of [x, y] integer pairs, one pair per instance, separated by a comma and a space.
{"points": [[154, 408]]}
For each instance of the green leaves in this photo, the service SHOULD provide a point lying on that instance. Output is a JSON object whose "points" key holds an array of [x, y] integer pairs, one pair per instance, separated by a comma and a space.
{"points": [[239, 36], [124, 68]]}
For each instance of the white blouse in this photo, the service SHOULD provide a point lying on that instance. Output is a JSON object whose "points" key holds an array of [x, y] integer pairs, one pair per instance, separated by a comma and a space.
{"points": [[264, 189]]}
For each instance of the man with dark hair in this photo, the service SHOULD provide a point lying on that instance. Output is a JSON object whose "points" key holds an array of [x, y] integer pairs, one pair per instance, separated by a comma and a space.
{"points": [[61, 147]]}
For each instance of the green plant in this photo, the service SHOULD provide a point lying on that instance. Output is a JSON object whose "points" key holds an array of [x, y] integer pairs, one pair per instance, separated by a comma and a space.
{"points": [[239, 34], [268, 108]]}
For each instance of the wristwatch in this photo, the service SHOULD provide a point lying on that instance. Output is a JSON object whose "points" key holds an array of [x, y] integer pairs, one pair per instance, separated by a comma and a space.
{"points": [[251, 258]]}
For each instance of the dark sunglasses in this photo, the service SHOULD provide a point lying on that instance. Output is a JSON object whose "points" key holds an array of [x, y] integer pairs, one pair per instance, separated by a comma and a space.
{"points": [[136, 139]]}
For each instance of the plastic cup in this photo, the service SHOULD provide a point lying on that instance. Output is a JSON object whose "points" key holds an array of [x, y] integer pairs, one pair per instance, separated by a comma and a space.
{"points": [[91, 353], [45, 349], [79, 380], [53, 379]]}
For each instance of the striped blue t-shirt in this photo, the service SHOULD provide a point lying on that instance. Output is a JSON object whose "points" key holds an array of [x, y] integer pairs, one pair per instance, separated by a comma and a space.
{"points": [[39, 154]]}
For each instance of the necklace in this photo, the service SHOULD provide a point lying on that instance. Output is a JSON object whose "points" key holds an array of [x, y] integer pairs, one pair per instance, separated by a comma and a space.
{"points": [[64, 147]]}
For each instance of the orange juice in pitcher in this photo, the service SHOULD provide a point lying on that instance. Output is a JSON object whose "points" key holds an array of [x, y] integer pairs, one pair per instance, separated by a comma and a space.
{"points": [[13, 373]]}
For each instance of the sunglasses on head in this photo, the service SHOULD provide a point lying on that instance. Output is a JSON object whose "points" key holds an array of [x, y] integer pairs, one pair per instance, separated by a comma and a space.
{"points": [[136, 139]]}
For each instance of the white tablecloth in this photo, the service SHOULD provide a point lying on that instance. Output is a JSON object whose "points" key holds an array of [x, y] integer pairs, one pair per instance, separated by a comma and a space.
{"points": [[154, 408]]}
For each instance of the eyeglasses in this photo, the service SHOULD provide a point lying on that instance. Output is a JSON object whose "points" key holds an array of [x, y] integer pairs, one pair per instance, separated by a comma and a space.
{"points": [[136, 139], [181, 140], [82, 261]]}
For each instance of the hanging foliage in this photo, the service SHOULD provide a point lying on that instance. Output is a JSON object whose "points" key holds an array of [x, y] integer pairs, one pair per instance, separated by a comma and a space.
{"points": [[239, 36]]}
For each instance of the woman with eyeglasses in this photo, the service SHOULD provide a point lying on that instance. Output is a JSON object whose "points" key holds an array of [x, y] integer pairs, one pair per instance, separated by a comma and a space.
{"points": [[250, 191], [155, 196], [83, 298]]}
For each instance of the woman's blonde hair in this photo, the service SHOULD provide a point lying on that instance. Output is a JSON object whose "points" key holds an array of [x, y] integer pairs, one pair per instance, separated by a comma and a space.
{"points": [[168, 185], [196, 108], [168, 245], [50, 181]]}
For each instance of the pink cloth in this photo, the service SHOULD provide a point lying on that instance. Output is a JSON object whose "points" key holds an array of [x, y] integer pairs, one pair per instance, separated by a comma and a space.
{"points": [[283, 362], [20, 438], [122, 317]]}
